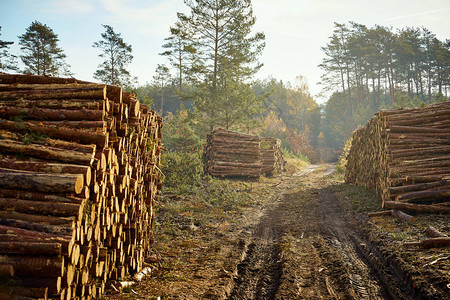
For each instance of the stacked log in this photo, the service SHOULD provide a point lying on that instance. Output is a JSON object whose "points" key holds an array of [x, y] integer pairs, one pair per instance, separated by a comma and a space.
{"points": [[232, 154], [78, 178], [272, 156], [405, 155]]}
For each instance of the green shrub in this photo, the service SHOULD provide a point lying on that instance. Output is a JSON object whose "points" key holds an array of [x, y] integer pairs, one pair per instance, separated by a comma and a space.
{"points": [[342, 164], [182, 170]]}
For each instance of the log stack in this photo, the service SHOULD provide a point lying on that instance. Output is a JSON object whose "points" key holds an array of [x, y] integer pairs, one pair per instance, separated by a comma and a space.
{"points": [[272, 156], [78, 179], [405, 156], [232, 154]]}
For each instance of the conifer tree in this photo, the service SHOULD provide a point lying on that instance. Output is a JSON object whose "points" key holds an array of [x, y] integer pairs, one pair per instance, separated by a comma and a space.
{"points": [[7, 60], [41, 53], [117, 55]]}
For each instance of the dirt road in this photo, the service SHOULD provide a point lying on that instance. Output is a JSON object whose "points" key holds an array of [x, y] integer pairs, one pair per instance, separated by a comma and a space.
{"points": [[306, 247], [305, 242]]}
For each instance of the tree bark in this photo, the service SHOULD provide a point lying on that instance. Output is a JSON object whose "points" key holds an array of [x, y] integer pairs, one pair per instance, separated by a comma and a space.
{"points": [[37, 196], [79, 136], [52, 114], [434, 209], [50, 220], [34, 266], [30, 248], [44, 167], [73, 104], [41, 182], [75, 93], [431, 243]]}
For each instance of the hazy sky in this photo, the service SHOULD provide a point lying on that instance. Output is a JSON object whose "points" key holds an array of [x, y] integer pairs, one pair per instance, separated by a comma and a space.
{"points": [[295, 29]]}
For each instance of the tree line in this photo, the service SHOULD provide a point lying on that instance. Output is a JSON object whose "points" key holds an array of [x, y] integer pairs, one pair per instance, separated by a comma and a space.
{"points": [[368, 69]]}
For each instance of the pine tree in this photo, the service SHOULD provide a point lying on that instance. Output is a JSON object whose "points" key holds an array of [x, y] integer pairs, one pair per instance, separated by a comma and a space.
{"points": [[161, 80], [180, 52], [41, 54], [227, 56], [7, 60], [117, 55]]}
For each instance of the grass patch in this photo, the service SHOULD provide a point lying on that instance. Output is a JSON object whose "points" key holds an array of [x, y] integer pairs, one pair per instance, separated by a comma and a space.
{"points": [[356, 198]]}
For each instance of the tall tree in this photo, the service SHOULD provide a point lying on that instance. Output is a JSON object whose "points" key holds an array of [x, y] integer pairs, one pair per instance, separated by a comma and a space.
{"points": [[161, 81], [180, 53], [41, 54], [116, 54], [7, 60], [219, 30]]}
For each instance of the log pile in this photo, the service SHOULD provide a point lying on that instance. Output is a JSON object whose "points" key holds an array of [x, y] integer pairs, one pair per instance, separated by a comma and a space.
{"points": [[232, 154], [405, 155], [272, 156], [78, 178]]}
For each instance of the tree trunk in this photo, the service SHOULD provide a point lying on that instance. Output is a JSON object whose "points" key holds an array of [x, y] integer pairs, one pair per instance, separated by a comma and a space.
{"points": [[416, 207], [79, 136], [34, 266], [44, 152], [41, 182], [30, 248], [51, 114], [39, 207], [80, 93]]}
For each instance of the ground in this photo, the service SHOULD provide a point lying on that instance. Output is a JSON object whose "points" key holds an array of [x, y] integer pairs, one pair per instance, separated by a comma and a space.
{"points": [[304, 235]]}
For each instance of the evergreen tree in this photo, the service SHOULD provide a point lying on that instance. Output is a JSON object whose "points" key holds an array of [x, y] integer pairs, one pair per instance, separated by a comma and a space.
{"points": [[41, 54], [180, 53], [219, 31], [7, 60], [161, 80], [117, 55]]}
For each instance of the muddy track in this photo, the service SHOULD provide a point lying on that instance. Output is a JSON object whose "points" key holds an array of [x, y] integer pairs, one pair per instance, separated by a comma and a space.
{"points": [[307, 247]]}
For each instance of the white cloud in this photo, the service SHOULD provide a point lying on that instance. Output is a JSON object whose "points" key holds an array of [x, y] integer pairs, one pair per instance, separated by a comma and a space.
{"points": [[70, 6], [147, 17]]}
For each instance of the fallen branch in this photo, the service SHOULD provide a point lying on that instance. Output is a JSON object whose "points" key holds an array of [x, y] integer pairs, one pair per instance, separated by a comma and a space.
{"points": [[431, 243], [435, 261], [140, 275], [434, 233]]}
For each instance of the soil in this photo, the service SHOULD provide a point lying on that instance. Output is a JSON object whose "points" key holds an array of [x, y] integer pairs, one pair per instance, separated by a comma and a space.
{"points": [[305, 236]]}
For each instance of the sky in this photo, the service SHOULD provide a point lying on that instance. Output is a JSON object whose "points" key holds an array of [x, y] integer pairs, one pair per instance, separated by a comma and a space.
{"points": [[295, 30]]}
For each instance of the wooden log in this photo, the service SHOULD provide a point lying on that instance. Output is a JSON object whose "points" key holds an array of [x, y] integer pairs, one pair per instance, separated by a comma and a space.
{"points": [[30, 233], [92, 126], [42, 182], [49, 86], [51, 283], [74, 93], [73, 135], [434, 209], [402, 216], [46, 152], [431, 243], [433, 194], [380, 213], [34, 265], [51, 208], [433, 232], [45, 167], [74, 104], [9, 214], [53, 229], [6, 271], [30, 248], [37, 196], [51, 114], [413, 129]]}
